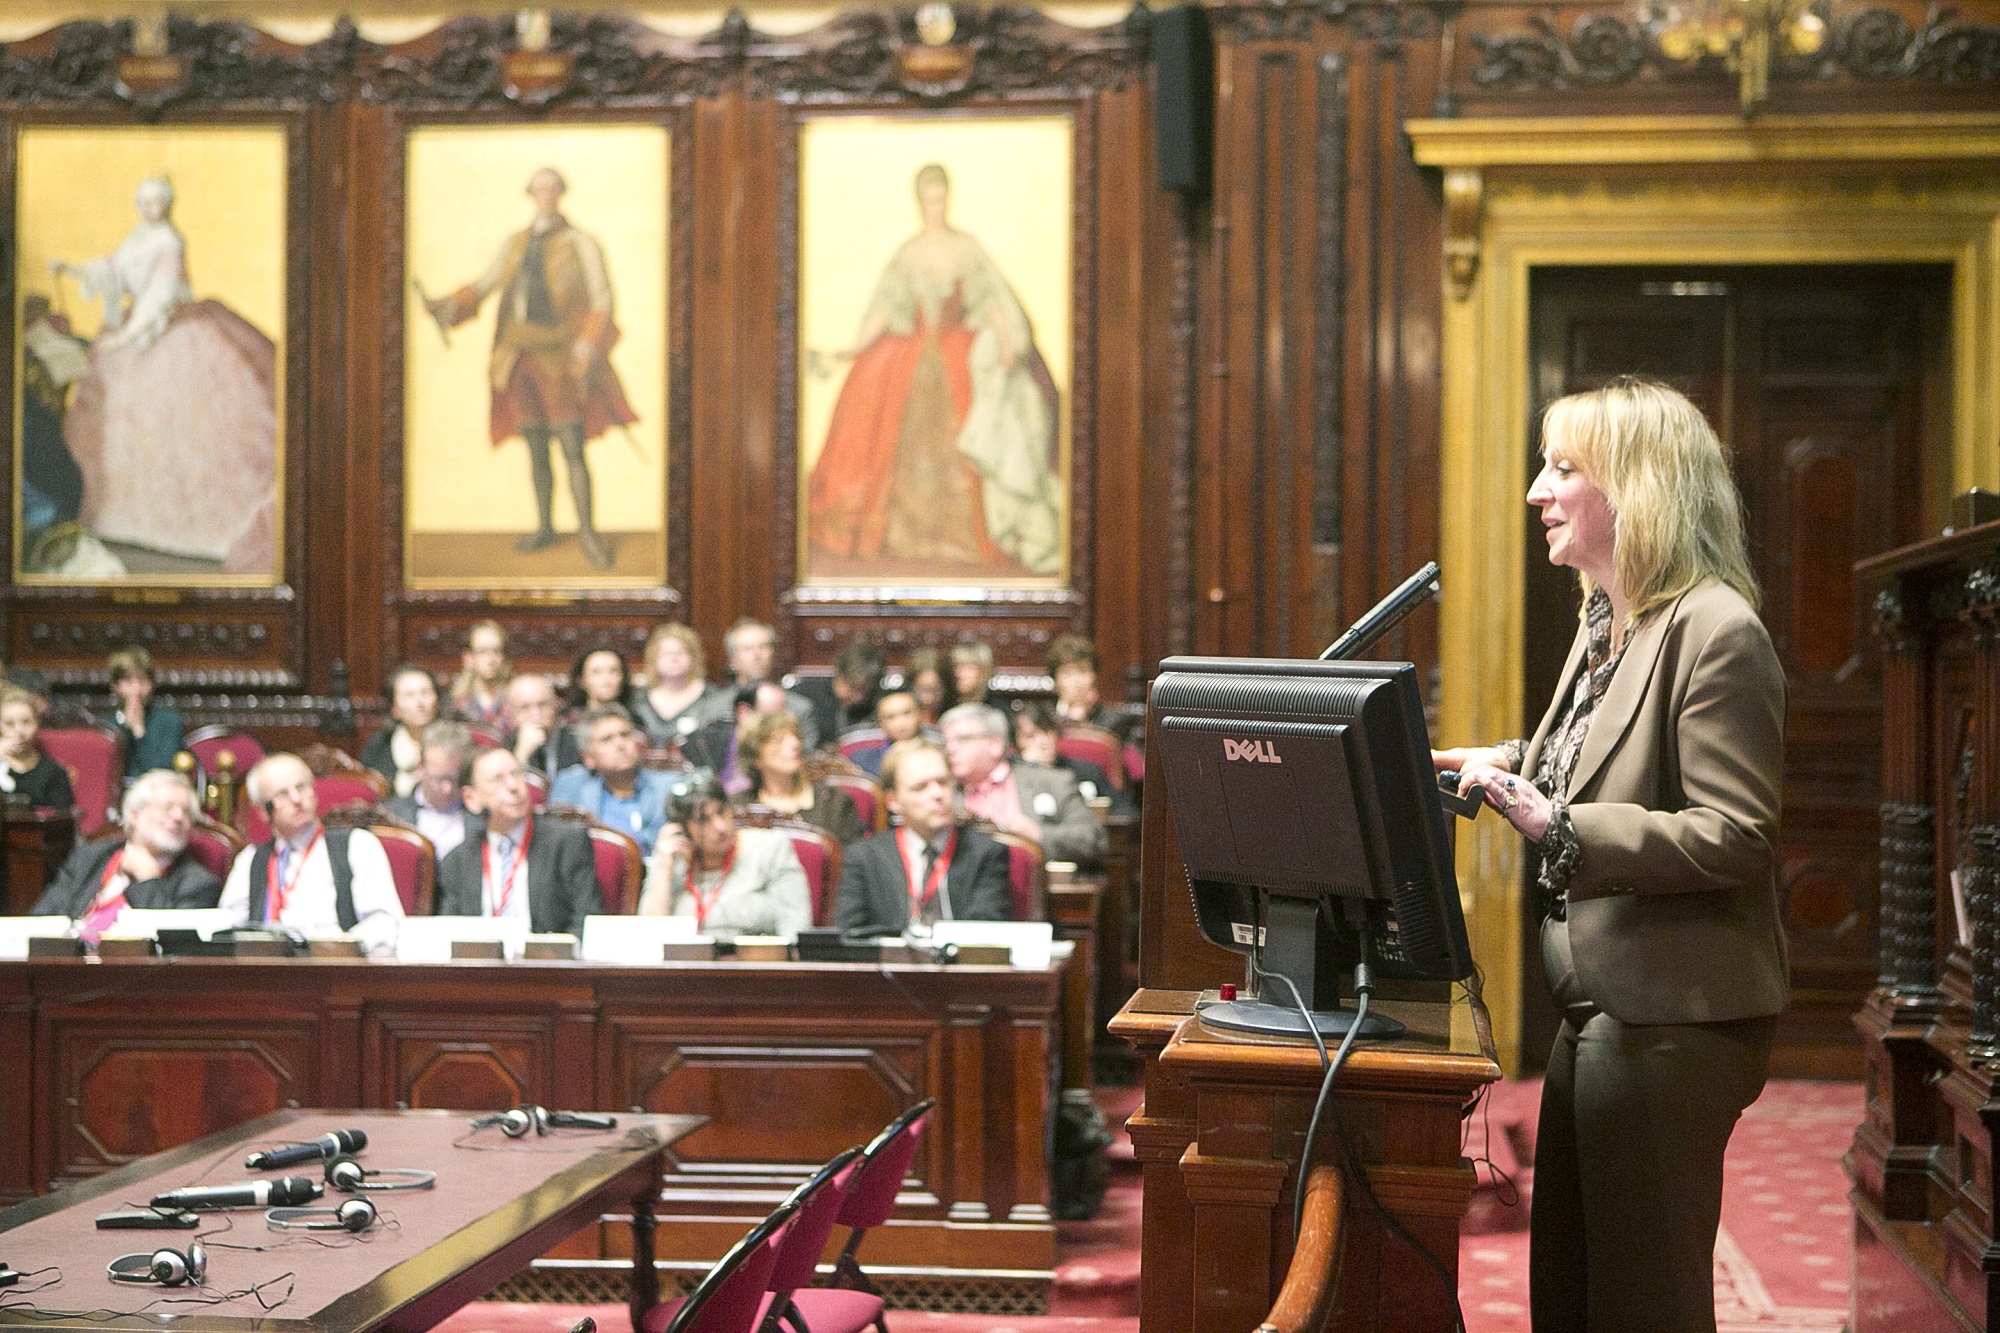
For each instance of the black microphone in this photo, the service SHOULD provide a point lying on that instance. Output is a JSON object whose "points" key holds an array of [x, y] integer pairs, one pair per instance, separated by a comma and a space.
{"points": [[285, 1191], [318, 1150], [1384, 616], [581, 1120]]}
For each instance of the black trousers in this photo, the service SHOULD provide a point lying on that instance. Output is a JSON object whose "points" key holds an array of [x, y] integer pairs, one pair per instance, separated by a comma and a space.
{"points": [[1628, 1163]]}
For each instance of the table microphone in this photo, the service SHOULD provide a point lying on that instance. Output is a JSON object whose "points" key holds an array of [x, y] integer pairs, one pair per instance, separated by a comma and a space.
{"points": [[282, 1192], [320, 1149]]}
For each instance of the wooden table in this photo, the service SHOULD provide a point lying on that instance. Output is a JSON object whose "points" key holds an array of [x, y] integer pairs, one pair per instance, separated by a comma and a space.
{"points": [[790, 1063], [448, 1246], [1219, 1137]]}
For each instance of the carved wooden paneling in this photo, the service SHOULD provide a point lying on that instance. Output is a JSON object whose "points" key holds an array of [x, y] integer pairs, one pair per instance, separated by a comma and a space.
{"points": [[488, 1062]]}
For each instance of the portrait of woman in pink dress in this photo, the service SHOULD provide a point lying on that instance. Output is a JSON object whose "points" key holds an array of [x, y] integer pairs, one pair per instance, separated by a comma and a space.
{"points": [[173, 423], [942, 455]]}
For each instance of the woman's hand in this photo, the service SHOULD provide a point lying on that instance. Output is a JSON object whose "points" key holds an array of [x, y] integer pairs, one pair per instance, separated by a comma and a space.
{"points": [[1518, 800], [1456, 761]]}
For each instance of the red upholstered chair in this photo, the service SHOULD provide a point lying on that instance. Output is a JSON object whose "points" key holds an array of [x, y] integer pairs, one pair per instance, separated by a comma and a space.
{"points": [[1080, 740], [336, 791], [1135, 765], [817, 1203], [1027, 872], [819, 853], [861, 740], [538, 786], [206, 744], [412, 864], [621, 862], [215, 846], [852, 1302], [94, 758], [867, 796], [733, 1296], [484, 737]]}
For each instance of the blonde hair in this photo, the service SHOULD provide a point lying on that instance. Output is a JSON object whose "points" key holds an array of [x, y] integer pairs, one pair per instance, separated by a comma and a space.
{"points": [[686, 638], [1666, 474], [465, 682], [761, 731]]}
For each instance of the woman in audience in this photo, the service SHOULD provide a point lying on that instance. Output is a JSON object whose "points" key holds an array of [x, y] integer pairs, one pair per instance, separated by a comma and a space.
{"points": [[1037, 736], [771, 753], [677, 699], [1073, 666], [925, 678], [972, 673], [732, 881], [24, 770], [152, 730], [479, 693], [597, 678], [397, 750]]}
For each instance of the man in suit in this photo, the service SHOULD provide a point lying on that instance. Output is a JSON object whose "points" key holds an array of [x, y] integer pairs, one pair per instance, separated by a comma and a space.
{"points": [[932, 868], [530, 709], [537, 870], [1039, 803], [146, 869], [436, 809]]}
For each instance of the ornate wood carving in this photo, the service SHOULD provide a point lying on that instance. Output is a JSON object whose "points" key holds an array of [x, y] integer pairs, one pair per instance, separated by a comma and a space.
{"points": [[1979, 877], [1909, 916], [1597, 49], [210, 62], [597, 60], [1892, 619]]}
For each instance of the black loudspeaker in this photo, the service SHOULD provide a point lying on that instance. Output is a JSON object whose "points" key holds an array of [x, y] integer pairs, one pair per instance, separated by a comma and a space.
{"points": [[1183, 97]]}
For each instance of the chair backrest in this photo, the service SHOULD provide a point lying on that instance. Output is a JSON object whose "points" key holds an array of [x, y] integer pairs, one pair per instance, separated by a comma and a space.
{"points": [[94, 758], [214, 845], [861, 740], [885, 1165], [484, 736], [412, 864], [538, 787], [620, 861], [328, 761], [819, 853], [1095, 745], [866, 793], [342, 800], [817, 1202], [730, 1295], [206, 744], [1027, 873]]}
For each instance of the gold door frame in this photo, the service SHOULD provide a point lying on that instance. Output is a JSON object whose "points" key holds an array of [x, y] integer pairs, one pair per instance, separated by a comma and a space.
{"points": [[1522, 193]]}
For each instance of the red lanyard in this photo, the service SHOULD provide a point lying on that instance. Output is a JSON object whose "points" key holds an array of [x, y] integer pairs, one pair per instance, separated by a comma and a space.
{"points": [[920, 896], [111, 868], [701, 904], [276, 895], [513, 873]]}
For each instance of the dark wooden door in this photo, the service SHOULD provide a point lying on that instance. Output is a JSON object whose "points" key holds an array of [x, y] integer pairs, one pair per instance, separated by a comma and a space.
{"points": [[1830, 387]]}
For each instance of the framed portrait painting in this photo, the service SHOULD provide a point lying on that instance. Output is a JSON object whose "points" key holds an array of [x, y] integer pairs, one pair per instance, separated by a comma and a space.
{"points": [[535, 327], [151, 309], [935, 351]]}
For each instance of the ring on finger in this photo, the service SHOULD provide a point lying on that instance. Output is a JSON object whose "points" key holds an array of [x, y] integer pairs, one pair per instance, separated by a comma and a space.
{"points": [[1510, 802]]}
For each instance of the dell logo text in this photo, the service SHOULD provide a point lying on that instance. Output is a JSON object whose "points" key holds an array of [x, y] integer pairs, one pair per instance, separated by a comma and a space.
{"points": [[1256, 752]]}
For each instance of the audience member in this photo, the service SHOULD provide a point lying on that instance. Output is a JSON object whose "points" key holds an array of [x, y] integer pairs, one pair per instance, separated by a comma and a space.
{"points": [[24, 769], [397, 749], [752, 648], [610, 785], [846, 699], [1073, 666], [152, 730], [732, 881], [597, 678], [678, 698], [306, 877], [771, 756], [144, 869], [924, 676], [539, 743], [541, 871], [898, 719], [1037, 735], [436, 809], [930, 869], [972, 674], [714, 746], [479, 692], [1039, 803]]}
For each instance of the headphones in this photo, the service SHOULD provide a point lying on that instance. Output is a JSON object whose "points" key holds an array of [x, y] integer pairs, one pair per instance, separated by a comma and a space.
{"points": [[348, 1176], [516, 1123], [167, 1267], [355, 1214]]}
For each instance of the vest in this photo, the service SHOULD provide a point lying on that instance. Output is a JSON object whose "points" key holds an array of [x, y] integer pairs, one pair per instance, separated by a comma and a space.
{"points": [[343, 878]]}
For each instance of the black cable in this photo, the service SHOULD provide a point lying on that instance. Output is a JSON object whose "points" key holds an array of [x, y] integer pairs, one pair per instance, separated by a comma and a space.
{"points": [[32, 1272], [102, 1314]]}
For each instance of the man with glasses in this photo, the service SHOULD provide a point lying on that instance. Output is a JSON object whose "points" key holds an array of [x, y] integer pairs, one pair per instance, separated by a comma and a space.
{"points": [[530, 710], [435, 808], [540, 871], [146, 869], [610, 785]]}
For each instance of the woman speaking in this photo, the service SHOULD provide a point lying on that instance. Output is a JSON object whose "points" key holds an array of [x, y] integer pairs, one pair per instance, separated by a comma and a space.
{"points": [[1652, 790]]}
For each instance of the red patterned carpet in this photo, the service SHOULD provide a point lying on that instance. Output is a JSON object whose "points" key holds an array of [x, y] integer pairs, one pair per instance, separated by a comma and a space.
{"points": [[1780, 1263]]}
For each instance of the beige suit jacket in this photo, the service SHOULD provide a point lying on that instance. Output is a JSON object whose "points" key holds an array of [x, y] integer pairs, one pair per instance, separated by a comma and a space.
{"points": [[1673, 911]]}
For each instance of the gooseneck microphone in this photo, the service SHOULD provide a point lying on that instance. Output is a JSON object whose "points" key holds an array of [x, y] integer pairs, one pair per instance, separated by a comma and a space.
{"points": [[1384, 616], [282, 1192], [323, 1148]]}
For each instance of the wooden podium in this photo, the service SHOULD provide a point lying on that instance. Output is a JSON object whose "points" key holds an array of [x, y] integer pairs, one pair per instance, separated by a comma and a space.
{"points": [[1924, 1199]]}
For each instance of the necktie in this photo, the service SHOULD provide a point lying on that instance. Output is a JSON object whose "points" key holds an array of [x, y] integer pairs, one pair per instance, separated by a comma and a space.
{"points": [[930, 908]]}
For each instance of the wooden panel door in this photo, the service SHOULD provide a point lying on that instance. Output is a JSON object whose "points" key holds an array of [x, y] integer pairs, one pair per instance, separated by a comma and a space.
{"points": [[1829, 385]]}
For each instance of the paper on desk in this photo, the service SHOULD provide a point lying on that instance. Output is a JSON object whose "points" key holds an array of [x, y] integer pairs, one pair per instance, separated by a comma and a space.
{"points": [[428, 939], [147, 924], [1028, 942], [632, 939], [16, 931]]}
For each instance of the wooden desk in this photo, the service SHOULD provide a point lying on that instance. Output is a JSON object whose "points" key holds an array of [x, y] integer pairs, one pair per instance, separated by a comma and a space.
{"points": [[449, 1245], [791, 1063], [33, 845], [1219, 1137]]}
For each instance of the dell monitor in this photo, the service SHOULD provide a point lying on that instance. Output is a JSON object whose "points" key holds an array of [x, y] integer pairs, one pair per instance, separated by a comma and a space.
{"points": [[1311, 827]]}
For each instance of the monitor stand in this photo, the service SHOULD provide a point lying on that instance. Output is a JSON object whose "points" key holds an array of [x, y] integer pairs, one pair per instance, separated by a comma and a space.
{"points": [[1302, 945]]}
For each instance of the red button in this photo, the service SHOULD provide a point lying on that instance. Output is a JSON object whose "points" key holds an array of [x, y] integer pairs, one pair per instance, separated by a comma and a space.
{"points": [[1228, 991]]}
